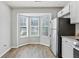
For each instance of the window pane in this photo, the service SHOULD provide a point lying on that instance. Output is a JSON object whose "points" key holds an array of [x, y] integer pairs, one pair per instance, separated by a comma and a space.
{"points": [[45, 20], [45, 31], [23, 31], [34, 21], [34, 25], [23, 25], [23, 20], [34, 31]]}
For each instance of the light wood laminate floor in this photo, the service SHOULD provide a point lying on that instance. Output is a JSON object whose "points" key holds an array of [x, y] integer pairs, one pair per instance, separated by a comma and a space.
{"points": [[30, 51]]}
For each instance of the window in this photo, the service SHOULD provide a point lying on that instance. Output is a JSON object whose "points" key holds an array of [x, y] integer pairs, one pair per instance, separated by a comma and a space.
{"points": [[32, 26], [34, 20], [45, 24], [23, 22]]}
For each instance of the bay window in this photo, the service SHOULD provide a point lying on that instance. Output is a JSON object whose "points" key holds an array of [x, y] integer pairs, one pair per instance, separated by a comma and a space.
{"points": [[31, 26]]}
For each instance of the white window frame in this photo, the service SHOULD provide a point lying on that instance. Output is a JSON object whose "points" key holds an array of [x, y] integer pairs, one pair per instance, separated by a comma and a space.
{"points": [[34, 26], [23, 26], [29, 14]]}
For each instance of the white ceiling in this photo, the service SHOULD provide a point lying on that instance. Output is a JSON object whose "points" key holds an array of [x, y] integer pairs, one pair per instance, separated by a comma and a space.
{"points": [[14, 4]]}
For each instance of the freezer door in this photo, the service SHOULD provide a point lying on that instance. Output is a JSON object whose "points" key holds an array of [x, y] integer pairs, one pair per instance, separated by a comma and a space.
{"points": [[54, 42], [54, 23]]}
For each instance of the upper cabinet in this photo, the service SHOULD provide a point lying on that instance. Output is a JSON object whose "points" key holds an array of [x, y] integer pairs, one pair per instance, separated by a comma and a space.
{"points": [[64, 11], [74, 12], [71, 10]]}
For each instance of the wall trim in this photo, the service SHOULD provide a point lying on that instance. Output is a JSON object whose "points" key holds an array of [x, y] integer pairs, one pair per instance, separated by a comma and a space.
{"points": [[28, 43], [5, 52], [33, 43]]}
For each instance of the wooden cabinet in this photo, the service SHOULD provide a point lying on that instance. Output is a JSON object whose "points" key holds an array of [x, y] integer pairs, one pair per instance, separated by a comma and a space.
{"points": [[67, 48], [74, 12], [64, 11]]}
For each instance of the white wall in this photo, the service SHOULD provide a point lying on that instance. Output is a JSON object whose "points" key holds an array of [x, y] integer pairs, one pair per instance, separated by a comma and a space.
{"points": [[4, 28], [28, 10]]}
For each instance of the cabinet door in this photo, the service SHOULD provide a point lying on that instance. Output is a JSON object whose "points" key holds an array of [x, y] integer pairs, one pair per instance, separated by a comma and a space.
{"points": [[74, 12], [59, 14], [64, 11], [67, 50]]}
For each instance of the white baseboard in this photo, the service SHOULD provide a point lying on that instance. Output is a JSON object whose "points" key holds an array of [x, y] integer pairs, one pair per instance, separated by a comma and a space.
{"points": [[28, 43], [46, 44], [5, 52], [34, 43]]}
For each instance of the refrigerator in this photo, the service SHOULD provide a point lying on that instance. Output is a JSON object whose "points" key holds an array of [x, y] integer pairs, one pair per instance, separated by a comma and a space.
{"points": [[60, 27]]}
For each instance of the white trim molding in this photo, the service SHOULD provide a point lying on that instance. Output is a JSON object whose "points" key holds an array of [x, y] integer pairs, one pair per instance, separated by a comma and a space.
{"points": [[5, 52]]}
